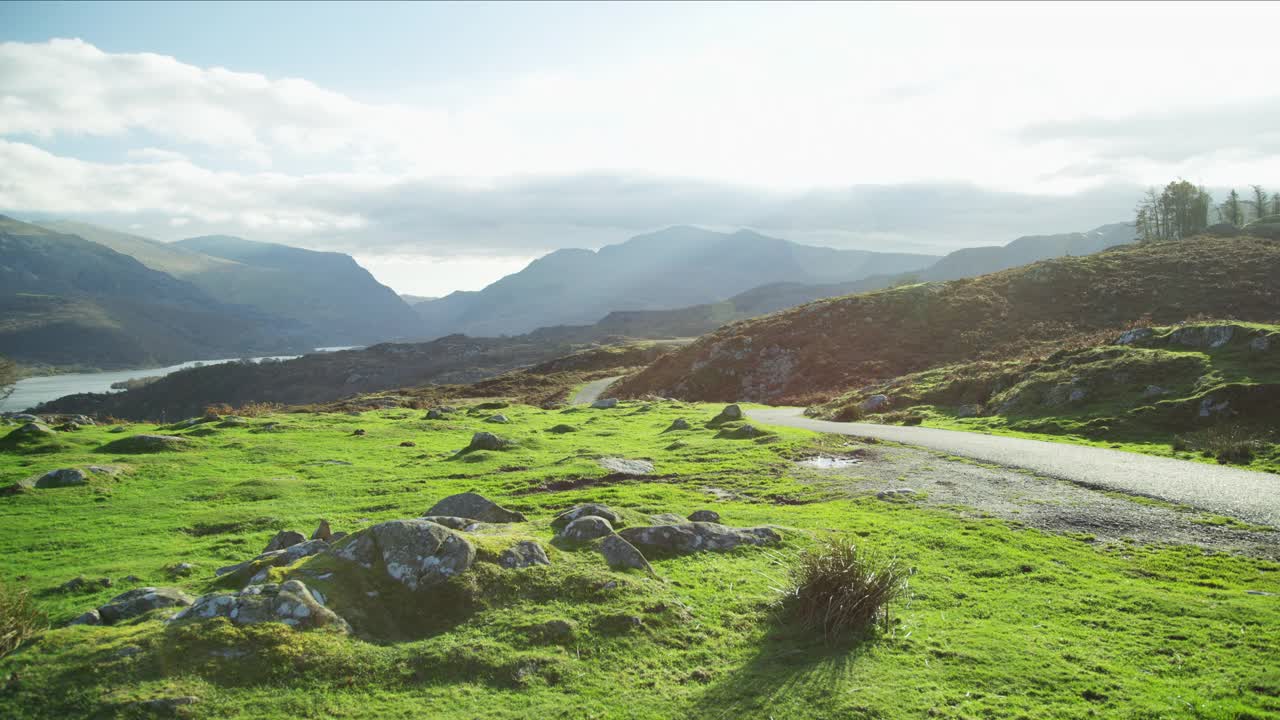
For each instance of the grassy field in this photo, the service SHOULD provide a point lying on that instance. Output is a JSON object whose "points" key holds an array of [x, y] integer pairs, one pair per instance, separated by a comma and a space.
{"points": [[1000, 621]]}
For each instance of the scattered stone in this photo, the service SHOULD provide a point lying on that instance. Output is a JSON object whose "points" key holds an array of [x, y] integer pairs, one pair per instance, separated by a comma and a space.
{"points": [[408, 443], [605, 403], [696, 537], [322, 531], [730, 413], [562, 429], [146, 444], [678, 424], [499, 418], [745, 432], [81, 583], [487, 441], [118, 429], [132, 578], [90, 617], [1208, 407], [875, 403], [358, 431], [415, 553], [435, 414], [1134, 336], [622, 555], [523, 554], [710, 516], [453, 523], [587, 527], [896, 493], [624, 466], [65, 477], [25, 418], [180, 570], [141, 601], [104, 470], [290, 603], [282, 540], [476, 507], [30, 431], [592, 509]]}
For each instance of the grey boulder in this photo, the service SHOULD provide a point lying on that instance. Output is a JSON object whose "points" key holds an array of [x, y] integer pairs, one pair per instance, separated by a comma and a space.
{"points": [[622, 555], [696, 537], [710, 516], [487, 441], [283, 539], [290, 603], [141, 601], [415, 553], [64, 477], [523, 554], [476, 507], [605, 403], [577, 511], [587, 527]]}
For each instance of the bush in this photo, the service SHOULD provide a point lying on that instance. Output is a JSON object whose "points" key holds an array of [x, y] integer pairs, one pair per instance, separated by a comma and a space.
{"points": [[839, 589], [1229, 443], [20, 619], [256, 409]]}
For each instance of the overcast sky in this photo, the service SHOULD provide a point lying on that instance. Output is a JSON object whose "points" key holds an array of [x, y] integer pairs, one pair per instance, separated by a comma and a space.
{"points": [[446, 144]]}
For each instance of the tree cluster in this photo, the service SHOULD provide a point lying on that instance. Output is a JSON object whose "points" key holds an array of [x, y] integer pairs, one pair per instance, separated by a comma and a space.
{"points": [[1182, 210]]}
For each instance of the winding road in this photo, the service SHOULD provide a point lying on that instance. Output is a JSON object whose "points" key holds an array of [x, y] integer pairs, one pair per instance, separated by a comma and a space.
{"points": [[592, 391], [1243, 494]]}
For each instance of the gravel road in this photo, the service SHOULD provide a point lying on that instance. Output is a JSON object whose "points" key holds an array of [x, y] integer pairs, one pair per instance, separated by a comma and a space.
{"points": [[593, 390], [1243, 494]]}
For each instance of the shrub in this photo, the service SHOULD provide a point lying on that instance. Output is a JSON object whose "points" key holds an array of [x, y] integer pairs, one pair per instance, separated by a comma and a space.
{"points": [[218, 409], [256, 409], [1229, 443], [20, 619], [840, 589]]}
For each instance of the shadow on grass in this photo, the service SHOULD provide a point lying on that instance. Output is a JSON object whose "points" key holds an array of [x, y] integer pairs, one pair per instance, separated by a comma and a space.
{"points": [[792, 667]]}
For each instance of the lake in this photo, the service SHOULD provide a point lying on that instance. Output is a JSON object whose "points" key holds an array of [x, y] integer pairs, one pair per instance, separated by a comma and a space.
{"points": [[32, 391]]}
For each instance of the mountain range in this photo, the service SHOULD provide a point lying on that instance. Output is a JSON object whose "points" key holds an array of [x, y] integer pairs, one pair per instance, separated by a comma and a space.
{"points": [[673, 268], [66, 301], [337, 300]]}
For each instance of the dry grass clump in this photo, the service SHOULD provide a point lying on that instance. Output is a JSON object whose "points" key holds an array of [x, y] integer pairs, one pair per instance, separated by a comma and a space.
{"points": [[840, 589], [1229, 443], [256, 409], [20, 619]]}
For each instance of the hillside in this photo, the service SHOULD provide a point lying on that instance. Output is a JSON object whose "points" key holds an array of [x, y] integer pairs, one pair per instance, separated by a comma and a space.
{"points": [[327, 291], [66, 301], [662, 270], [971, 262], [816, 351], [1209, 387], [165, 257]]}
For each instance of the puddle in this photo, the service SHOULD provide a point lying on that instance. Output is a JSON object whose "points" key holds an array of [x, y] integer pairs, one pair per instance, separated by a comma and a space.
{"points": [[829, 463]]}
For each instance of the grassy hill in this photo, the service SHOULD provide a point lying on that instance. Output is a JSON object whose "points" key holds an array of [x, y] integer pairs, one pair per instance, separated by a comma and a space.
{"points": [[65, 301], [816, 351], [165, 257], [1000, 620]]}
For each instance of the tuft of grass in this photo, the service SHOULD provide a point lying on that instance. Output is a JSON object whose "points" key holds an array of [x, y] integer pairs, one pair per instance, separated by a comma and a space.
{"points": [[1230, 443], [841, 589], [20, 619]]}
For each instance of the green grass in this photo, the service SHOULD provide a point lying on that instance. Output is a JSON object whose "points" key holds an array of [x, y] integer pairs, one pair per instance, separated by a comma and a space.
{"points": [[998, 621]]}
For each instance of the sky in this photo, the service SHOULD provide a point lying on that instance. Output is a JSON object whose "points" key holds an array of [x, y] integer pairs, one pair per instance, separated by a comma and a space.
{"points": [[447, 144]]}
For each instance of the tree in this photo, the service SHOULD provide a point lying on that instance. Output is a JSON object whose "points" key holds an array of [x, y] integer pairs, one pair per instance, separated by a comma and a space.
{"points": [[1231, 211], [8, 376], [1275, 203], [1259, 202], [1179, 211]]}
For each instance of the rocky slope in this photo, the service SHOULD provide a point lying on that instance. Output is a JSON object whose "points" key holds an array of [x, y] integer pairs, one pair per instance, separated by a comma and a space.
{"points": [[816, 351]]}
